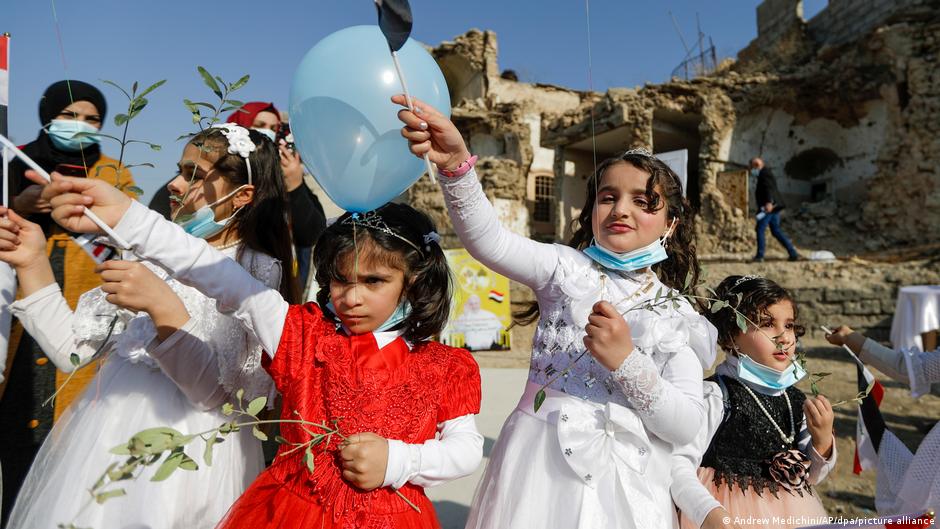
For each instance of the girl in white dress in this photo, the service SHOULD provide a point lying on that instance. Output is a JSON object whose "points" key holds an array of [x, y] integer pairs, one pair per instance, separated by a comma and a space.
{"points": [[173, 358], [623, 386]]}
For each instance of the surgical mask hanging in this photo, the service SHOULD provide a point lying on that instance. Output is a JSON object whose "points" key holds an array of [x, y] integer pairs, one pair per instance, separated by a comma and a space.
{"points": [[767, 377], [62, 133], [653, 253], [402, 311], [202, 224], [267, 132]]}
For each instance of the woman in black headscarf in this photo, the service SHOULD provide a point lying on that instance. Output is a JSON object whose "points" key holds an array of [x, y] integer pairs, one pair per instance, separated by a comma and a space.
{"points": [[66, 109]]}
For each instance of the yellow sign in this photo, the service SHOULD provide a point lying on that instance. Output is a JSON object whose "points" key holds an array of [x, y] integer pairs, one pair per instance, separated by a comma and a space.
{"points": [[480, 312]]}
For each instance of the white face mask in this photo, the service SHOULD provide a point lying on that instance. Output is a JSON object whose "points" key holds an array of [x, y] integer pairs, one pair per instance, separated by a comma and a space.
{"points": [[202, 223], [267, 132]]}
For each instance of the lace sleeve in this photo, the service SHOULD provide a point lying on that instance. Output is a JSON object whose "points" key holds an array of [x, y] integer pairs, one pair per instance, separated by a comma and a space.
{"points": [[97, 324], [245, 371], [670, 403], [923, 369]]}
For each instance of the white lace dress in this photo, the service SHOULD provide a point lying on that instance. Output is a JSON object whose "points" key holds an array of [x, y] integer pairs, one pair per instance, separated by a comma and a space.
{"points": [[179, 382], [597, 453]]}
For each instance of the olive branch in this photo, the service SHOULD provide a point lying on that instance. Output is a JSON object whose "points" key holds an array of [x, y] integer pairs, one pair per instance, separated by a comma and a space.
{"points": [[165, 448]]}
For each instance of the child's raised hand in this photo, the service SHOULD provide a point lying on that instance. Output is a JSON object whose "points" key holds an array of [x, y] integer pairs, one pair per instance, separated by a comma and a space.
{"points": [[364, 457], [819, 418], [608, 336], [430, 132], [69, 196], [844, 335], [839, 335], [21, 242]]}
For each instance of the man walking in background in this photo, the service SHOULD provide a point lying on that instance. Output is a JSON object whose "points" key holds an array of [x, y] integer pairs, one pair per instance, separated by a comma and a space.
{"points": [[769, 206]]}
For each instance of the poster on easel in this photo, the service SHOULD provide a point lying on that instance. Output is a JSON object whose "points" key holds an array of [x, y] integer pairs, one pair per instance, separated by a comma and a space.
{"points": [[480, 313]]}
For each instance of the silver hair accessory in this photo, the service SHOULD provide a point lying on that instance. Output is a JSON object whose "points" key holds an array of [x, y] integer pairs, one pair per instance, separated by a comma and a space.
{"points": [[373, 220], [641, 151], [431, 237], [744, 279], [239, 142]]}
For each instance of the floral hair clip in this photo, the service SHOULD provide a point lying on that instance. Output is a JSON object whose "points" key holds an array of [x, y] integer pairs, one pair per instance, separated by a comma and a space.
{"points": [[239, 142]]}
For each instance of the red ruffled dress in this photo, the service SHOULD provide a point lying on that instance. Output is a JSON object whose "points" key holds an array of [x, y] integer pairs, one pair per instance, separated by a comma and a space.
{"points": [[393, 392]]}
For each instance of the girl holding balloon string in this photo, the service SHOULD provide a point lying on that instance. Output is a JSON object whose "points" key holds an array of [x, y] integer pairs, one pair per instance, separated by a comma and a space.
{"points": [[360, 358], [612, 387]]}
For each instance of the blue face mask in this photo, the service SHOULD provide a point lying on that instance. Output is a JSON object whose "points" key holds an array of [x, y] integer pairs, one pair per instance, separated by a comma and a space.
{"points": [[202, 224], [755, 172], [267, 132], [767, 377], [62, 133], [637, 259], [402, 311]]}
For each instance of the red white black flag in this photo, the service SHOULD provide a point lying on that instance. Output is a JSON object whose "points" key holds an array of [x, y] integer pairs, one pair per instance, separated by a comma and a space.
{"points": [[871, 425], [4, 81]]}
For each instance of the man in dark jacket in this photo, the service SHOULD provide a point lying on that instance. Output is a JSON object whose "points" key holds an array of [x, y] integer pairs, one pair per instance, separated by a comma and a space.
{"points": [[769, 206]]}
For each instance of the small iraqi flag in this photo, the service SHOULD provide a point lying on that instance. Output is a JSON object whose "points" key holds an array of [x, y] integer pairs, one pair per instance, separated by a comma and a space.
{"points": [[496, 296], [871, 425], [97, 251], [4, 81]]}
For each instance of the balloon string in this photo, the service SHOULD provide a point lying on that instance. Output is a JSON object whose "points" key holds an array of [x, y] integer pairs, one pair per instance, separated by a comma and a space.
{"points": [[68, 82], [587, 12], [411, 107], [356, 262]]}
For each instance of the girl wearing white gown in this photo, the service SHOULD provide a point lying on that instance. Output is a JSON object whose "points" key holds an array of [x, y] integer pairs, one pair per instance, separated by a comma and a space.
{"points": [[172, 357], [596, 454]]}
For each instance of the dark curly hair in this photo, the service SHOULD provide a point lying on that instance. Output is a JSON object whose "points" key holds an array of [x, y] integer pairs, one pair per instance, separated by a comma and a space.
{"points": [[264, 223], [663, 189], [752, 297], [428, 285]]}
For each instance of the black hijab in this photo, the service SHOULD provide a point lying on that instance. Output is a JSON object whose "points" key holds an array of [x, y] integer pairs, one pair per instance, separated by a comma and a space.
{"points": [[56, 98]]}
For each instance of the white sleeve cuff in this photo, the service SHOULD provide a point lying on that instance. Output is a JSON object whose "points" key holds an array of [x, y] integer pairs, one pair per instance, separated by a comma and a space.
{"points": [[404, 460], [456, 453]]}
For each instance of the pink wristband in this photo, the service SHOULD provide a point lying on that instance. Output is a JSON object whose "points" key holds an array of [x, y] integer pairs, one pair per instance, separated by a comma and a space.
{"points": [[461, 169]]}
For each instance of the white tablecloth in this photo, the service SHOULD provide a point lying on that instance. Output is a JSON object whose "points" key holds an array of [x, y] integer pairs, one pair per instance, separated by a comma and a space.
{"points": [[917, 311]]}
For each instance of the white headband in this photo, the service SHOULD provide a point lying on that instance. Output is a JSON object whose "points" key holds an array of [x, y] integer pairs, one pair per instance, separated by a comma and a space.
{"points": [[239, 142]]}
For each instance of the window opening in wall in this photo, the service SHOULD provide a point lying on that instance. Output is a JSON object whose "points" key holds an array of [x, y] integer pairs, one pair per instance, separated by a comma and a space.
{"points": [[544, 198]]}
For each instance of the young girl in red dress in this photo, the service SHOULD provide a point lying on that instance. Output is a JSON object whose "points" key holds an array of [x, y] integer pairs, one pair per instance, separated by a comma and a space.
{"points": [[360, 358]]}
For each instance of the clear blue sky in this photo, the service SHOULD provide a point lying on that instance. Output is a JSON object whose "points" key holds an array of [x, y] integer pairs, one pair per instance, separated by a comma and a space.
{"points": [[126, 40]]}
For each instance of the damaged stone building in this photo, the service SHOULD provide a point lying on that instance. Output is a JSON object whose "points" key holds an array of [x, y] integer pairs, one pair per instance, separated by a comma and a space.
{"points": [[844, 107]]}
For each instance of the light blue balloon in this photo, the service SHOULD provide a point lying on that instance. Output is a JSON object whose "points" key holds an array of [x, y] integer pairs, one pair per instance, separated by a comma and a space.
{"points": [[345, 126]]}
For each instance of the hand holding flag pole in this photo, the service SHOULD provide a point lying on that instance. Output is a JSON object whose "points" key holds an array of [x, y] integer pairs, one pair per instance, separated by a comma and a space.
{"points": [[395, 22], [8, 145]]}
